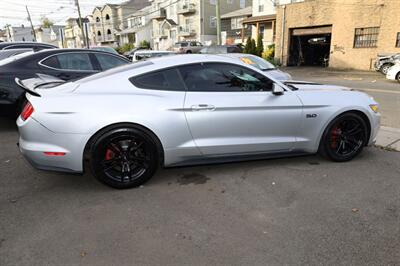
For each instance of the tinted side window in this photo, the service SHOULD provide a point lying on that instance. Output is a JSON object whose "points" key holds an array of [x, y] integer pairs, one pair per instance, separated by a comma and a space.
{"points": [[75, 61], [109, 61], [223, 77], [167, 79], [51, 62]]}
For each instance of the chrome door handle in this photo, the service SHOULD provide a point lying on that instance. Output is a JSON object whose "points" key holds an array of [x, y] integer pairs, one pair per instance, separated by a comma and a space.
{"points": [[203, 107]]}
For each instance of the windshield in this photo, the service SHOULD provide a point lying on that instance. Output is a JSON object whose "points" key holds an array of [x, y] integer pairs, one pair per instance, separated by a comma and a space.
{"points": [[257, 62], [14, 58]]}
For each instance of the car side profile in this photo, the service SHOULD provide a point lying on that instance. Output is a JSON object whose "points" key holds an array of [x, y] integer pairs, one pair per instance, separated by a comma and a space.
{"points": [[196, 109], [66, 64]]}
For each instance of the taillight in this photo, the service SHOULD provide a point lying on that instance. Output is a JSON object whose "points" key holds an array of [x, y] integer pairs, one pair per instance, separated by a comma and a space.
{"points": [[27, 111]]}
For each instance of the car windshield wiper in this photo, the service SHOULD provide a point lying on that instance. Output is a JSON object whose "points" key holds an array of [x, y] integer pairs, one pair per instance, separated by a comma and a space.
{"points": [[268, 69]]}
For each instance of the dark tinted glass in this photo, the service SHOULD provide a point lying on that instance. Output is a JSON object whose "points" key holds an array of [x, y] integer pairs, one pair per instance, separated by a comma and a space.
{"points": [[75, 61], [223, 77], [51, 62], [160, 80], [109, 61]]}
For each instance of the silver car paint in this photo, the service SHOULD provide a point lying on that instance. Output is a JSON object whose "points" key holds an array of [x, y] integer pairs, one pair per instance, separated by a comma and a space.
{"points": [[67, 116]]}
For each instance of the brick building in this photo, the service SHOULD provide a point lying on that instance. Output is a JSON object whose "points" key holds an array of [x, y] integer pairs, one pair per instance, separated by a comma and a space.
{"points": [[347, 34]]}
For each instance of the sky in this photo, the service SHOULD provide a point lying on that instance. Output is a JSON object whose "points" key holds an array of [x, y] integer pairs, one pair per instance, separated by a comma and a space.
{"points": [[13, 11]]}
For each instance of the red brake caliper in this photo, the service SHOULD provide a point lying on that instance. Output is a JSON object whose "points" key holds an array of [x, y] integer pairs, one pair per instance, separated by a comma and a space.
{"points": [[334, 135], [109, 154]]}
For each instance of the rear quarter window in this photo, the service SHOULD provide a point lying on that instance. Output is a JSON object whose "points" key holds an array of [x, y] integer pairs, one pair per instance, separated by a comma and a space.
{"points": [[167, 79]]}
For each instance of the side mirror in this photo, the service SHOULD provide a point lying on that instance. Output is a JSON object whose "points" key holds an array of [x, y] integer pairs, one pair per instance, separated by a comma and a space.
{"points": [[277, 90]]}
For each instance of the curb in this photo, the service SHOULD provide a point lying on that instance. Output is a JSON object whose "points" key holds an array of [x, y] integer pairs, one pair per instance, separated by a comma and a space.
{"points": [[388, 138]]}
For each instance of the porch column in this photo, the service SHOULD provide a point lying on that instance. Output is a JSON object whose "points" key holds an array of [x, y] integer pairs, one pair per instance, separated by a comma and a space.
{"points": [[257, 29], [273, 31]]}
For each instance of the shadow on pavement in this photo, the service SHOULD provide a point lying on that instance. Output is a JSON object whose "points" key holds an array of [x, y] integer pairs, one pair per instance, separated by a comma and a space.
{"points": [[7, 124]]}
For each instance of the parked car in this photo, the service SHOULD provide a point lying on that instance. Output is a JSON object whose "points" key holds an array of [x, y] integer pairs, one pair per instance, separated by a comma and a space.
{"points": [[36, 46], [130, 53], [104, 49], [194, 109], [261, 64], [221, 49], [8, 53], [67, 64], [144, 54], [384, 62], [394, 72], [187, 47]]}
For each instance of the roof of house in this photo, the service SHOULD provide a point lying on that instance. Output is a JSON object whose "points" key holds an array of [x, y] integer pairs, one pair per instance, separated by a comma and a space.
{"points": [[259, 19], [247, 11]]}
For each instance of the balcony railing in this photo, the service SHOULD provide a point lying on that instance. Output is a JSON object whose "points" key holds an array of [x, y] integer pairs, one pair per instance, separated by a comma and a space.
{"points": [[186, 8], [159, 14], [187, 30]]}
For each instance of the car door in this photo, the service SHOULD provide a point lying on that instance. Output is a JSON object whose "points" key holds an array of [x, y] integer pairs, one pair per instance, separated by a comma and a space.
{"points": [[69, 66], [108, 61], [230, 109]]}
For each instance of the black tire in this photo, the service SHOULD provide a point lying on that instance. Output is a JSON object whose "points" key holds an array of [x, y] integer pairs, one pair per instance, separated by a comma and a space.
{"points": [[384, 68], [124, 157], [189, 52], [398, 77], [344, 138]]}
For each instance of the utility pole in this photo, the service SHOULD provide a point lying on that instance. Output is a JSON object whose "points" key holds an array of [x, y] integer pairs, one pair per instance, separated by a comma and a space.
{"points": [[30, 20], [81, 24], [218, 18]]}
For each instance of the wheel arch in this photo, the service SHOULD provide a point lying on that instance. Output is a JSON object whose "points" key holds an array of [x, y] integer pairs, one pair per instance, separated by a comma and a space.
{"points": [[363, 116], [103, 130]]}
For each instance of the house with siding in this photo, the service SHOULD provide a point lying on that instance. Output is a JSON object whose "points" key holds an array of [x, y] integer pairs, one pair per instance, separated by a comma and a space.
{"points": [[232, 29], [188, 20], [111, 19]]}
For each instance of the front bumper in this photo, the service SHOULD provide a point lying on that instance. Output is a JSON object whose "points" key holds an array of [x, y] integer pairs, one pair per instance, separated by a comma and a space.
{"points": [[391, 74], [375, 125], [35, 139]]}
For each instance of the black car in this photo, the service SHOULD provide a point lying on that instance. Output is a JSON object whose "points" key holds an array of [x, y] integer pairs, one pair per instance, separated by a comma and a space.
{"points": [[35, 46], [221, 49], [8, 53], [66, 64]]}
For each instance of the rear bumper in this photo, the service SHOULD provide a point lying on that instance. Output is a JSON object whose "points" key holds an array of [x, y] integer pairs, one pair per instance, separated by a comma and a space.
{"points": [[35, 140]]}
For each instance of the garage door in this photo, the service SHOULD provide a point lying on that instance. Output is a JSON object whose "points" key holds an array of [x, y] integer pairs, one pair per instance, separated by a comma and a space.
{"points": [[312, 31]]}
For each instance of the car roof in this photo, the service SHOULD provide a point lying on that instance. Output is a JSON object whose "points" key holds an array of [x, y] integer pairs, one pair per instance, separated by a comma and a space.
{"points": [[153, 52], [7, 44]]}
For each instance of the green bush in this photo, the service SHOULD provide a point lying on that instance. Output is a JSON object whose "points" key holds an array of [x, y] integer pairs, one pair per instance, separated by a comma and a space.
{"points": [[145, 44], [260, 46], [125, 48]]}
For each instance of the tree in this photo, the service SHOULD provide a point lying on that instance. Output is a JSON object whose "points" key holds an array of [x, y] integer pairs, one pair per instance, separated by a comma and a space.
{"points": [[144, 44], [46, 22], [253, 47], [246, 49], [260, 46]]}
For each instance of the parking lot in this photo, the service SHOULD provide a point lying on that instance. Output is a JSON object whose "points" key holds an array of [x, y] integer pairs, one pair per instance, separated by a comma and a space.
{"points": [[303, 210]]}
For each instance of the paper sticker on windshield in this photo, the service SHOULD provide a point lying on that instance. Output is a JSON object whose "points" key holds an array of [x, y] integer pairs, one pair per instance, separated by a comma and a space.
{"points": [[247, 60]]}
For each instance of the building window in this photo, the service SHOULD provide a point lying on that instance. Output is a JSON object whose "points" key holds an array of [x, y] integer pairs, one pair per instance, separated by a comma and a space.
{"points": [[242, 3], [398, 40], [236, 23], [366, 37], [229, 1], [97, 19], [98, 33], [260, 8], [212, 2], [213, 21], [107, 17]]}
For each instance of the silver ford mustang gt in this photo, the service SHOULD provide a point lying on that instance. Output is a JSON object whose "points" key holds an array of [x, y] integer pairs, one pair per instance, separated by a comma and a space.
{"points": [[184, 110]]}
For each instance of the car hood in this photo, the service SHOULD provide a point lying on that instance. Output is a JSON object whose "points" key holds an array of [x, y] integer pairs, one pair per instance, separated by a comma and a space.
{"points": [[311, 86], [278, 74]]}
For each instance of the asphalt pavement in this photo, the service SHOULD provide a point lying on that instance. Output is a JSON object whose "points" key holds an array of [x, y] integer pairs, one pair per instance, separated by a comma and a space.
{"points": [[297, 211]]}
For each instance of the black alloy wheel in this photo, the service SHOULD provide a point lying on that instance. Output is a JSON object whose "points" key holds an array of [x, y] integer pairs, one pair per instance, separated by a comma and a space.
{"points": [[124, 158], [344, 138]]}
